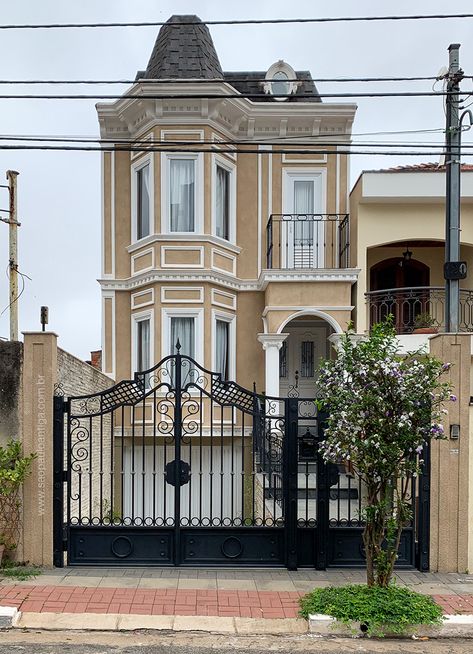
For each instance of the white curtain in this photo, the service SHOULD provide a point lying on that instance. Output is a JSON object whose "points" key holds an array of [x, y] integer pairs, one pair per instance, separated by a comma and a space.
{"points": [[143, 201], [184, 330], [143, 349], [182, 180], [221, 348], [304, 204], [222, 202]]}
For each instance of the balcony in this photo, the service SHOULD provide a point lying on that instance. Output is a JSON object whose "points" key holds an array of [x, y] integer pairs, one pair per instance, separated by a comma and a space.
{"points": [[307, 241], [417, 308]]}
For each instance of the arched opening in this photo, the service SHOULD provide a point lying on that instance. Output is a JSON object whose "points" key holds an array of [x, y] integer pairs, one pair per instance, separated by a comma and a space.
{"points": [[398, 277], [301, 353]]}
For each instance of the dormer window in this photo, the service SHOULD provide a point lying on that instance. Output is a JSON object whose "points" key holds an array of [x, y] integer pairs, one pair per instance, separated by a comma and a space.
{"points": [[280, 81]]}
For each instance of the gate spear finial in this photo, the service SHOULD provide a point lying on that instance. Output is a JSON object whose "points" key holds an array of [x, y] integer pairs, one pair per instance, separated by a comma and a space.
{"points": [[178, 346]]}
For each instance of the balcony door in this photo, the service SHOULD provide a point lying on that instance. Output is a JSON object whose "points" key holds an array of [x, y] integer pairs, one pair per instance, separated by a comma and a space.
{"points": [[303, 228]]}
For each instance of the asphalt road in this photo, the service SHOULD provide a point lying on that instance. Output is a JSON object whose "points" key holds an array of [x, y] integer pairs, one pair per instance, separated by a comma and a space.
{"points": [[36, 642]]}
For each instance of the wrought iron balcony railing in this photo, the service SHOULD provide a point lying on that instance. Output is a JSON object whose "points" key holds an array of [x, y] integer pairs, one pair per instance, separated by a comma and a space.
{"points": [[295, 241], [417, 307]]}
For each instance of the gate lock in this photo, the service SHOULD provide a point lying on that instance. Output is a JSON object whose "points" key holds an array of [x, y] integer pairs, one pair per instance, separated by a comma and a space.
{"points": [[184, 473]]}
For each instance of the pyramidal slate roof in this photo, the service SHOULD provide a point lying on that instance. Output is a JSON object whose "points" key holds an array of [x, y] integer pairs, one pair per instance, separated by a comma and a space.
{"points": [[184, 51]]}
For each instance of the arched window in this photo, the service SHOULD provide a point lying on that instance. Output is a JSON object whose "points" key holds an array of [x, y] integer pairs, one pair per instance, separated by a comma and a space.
{"points": [[280, 81]]}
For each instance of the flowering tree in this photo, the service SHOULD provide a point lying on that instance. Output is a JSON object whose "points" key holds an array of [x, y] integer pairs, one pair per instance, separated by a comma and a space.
{"points": [[383, 408]]}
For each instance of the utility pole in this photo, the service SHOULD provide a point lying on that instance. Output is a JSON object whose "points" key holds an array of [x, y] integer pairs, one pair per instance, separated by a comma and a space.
{"points": [[454, 269], [13, 254]]}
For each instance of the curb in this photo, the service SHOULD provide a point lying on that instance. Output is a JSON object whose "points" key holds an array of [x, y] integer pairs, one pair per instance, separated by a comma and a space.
{"points": [[121, 622], [454, 626], [7, 616]]}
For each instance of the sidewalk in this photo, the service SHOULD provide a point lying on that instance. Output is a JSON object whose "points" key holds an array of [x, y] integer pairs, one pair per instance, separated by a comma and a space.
{"points": [[267, 595]]}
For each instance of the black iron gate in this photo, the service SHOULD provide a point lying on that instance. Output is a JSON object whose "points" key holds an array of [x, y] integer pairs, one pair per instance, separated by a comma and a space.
{"points": [[178, 467]]}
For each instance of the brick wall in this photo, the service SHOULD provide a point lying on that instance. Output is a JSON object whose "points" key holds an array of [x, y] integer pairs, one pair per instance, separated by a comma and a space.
{"points": [[76, 377]]}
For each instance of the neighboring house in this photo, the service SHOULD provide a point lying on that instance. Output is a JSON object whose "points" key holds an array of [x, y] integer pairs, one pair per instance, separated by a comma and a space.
{"points": [[243, 257], [397, 220]]}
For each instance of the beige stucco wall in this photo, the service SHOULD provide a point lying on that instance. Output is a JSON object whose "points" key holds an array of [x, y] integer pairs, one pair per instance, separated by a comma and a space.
{"points": [[451, 499], [377, 223]]}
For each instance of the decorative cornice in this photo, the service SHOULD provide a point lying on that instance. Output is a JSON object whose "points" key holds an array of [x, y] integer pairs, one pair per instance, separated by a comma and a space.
{"points": [[318, 275], [212, 276], [267, 309], [191, 238]]}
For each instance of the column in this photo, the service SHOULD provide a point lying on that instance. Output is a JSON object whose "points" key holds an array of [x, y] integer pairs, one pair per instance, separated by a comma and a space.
{"points": [[272, 343], [39, 377]]}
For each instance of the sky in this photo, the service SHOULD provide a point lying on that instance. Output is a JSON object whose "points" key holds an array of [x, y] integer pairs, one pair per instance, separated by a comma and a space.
{"points": [[59, 193]]}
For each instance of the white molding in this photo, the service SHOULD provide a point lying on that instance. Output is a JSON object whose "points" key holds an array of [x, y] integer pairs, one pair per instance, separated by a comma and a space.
{"points": [[225, 255], [205, 238], [109, 295], [140, 153], [187, 248], [269, 308], [139, 254], [229, 318], [312, 311], [136, 318], [219, 160], [221, 304], [147, 158], [166, 158], [225, 280], [102, 213], [321, 160], [217, 139], [164, 300], [141, 293], [112, 209], [198, 132], [198, 315]]}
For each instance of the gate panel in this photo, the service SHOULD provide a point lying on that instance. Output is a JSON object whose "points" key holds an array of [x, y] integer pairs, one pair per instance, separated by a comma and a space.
{"points": [[178, 467]]}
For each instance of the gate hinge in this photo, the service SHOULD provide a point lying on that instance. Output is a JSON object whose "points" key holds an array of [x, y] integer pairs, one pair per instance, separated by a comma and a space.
{"points": [[64, 475]]}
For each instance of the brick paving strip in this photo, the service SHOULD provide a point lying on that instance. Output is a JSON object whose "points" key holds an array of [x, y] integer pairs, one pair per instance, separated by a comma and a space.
{"points": [[144, 601]]}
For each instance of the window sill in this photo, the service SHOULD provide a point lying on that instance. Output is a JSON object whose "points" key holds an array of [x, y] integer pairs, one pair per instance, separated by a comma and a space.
{"points": [[184, 236]]}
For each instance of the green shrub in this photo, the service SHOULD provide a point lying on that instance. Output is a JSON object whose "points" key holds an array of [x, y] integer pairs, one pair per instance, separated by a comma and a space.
{"points": [[391, 609]]}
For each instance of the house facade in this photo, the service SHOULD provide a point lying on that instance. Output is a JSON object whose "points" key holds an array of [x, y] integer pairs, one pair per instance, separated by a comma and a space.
{"points": [[224, 234]]}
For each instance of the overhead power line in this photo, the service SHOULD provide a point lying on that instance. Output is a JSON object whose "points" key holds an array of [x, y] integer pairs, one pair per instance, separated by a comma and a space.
{"points": [[219, 150], [319, 80], [247, 21], [278, 142], [217, 96]]}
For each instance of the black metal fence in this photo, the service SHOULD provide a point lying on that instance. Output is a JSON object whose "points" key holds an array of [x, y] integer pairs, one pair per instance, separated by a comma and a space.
{"points": [[295, 241], [178, 467], [417, 308]]}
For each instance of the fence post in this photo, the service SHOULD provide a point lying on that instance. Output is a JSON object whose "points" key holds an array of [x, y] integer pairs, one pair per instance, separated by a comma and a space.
{"points": [[423, 513], [323, 507], [58, 481], [291, 410]]}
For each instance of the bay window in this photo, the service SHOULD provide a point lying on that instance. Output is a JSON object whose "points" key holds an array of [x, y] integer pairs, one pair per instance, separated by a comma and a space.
{"points": [[222, 202], [182, 195], [183, 330], [222, 342]]}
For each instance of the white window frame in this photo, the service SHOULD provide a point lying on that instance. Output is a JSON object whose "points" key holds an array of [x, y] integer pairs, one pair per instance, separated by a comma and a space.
{"points": [[166, 158], [135, 167], [229, 318], [135, 319], [218, 160], [198, 314], [291, 175]]}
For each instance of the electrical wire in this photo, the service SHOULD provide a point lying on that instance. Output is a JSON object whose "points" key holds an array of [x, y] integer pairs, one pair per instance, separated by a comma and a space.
{"points": [[321, 80], [226, 96], [248, 21], [231, 143], [218, 150], [22, 276]]}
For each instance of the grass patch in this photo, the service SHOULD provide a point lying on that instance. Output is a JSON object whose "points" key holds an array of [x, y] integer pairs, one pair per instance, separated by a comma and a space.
{"points": [[382, 610], [18, 571]]}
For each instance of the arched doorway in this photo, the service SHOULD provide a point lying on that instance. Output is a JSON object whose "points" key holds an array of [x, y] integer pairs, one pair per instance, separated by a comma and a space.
{"points": [[399, 277], [302, 351]]}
